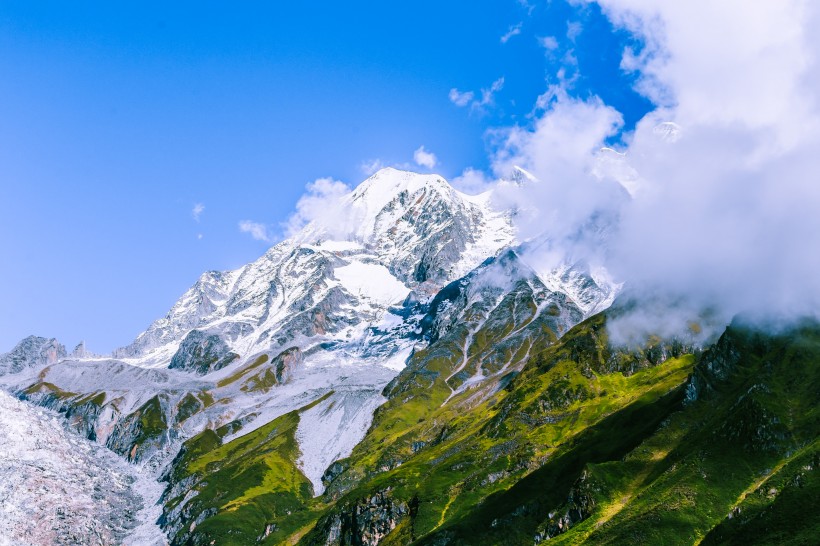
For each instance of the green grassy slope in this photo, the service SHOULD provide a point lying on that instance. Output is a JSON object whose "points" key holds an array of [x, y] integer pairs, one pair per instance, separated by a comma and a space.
{"points": [[245, 491], [582, 445], [576, 450]]}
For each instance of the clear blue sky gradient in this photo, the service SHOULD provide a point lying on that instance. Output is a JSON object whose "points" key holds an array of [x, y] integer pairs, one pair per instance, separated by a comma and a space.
{"points": [[115, 121]]}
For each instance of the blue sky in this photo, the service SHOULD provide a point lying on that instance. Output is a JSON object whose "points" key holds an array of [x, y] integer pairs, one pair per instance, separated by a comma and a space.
{"points": [[116, 121]]}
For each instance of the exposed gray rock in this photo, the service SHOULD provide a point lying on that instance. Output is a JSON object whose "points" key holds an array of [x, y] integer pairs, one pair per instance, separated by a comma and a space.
{"points": [[579, 506], [202, 353], [285, 363], [31, 352], [366, 521]]}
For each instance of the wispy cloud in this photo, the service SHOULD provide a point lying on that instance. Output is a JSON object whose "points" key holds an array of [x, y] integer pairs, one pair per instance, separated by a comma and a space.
{"points": [[574, 29], [425, 158], [514, 30], [487, 96], [371, 166], [548, 42], [256, 230], [460, 98], [527, 6], [197, 211], [321, 203], [472, 182]]}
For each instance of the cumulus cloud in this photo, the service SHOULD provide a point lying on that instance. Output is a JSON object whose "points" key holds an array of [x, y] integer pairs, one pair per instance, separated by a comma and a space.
{"points": [[197, 211], [425, 158], [562, 195], [472, 182], [321, 205], [721, 214], [725, 216], [514, 30], [256, 230]]}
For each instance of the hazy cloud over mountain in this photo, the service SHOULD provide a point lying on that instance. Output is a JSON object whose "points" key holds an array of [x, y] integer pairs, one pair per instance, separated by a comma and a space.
{"points": [[724, 207]]}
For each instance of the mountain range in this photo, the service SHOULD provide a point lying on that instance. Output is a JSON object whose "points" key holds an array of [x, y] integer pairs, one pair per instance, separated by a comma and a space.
{"points": [[402, 371]]}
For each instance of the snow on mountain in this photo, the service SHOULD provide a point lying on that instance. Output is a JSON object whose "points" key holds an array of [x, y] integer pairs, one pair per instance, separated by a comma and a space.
{"points": [[395, 232], [31, 352], [334, 311], [58, 488]]}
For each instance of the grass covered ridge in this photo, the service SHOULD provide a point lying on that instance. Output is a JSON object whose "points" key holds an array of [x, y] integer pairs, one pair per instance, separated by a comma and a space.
{"points": [[247, 490]]}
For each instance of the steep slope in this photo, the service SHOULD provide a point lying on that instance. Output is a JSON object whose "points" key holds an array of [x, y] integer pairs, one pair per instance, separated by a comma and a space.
{"points": [[406, 270], [595, 446], [395, 232]]}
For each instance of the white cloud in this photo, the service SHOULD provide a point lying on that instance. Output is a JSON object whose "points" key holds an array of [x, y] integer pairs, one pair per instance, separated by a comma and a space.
{"points": [[321, 204], [559, 150], [548, 42], [461, 98], [256, 230], [724, 215], [514, 30], [527, 6], [197, 211], [488, 95], [199, 236], [465, 98], [425, 158], [574, 29], [472, 182], [371, 166]]}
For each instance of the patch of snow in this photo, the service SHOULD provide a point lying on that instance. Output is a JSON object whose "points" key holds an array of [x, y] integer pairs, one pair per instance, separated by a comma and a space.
{"points": [[331, 429], [371, 281]]}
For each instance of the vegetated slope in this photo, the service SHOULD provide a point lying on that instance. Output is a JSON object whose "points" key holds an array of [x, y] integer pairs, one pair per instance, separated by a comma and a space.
{"points": [[489, 468], [480, 333], [590, 445]]}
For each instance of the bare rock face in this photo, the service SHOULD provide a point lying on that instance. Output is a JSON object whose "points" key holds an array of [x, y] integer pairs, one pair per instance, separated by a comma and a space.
{"points": [[285, 363], [30, 352], [366, 521], [579, 506], [202, 353]]}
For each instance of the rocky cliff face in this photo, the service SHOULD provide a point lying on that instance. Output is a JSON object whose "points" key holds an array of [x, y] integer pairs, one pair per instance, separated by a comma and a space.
{"points": [[31, 352], [365, 522], [202, 353]]}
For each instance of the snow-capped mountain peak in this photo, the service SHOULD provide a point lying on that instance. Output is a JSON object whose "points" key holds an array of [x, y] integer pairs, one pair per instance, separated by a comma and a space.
{"points": [[395, 232]]}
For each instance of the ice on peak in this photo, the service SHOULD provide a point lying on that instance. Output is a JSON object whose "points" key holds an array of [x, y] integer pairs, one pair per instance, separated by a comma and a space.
{"points": [[612, 164], [522, 176], [387, 183]]}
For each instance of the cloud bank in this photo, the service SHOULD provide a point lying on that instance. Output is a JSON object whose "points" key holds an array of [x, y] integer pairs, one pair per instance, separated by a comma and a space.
{"points": [[721, 215]]}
